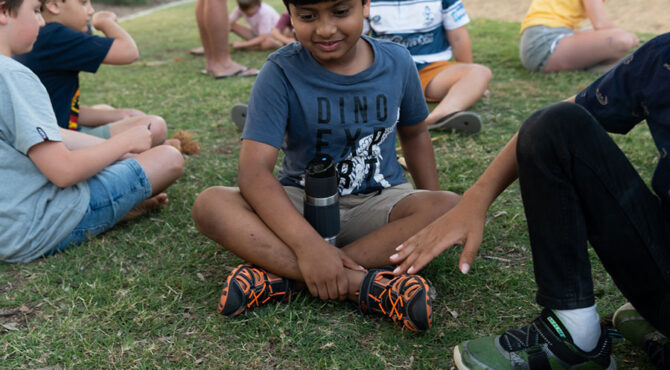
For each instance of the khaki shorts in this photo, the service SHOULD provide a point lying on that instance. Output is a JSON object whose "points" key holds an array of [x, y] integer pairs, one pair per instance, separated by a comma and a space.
{"points": [[360, 214]]}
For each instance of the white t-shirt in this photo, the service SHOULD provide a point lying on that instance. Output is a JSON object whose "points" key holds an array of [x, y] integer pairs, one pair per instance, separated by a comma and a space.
{"points": [[262, 22]]}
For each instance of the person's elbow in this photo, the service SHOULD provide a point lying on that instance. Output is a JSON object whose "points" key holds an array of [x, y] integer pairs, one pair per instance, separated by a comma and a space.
{"points": [[122, 54], [63, 177]]}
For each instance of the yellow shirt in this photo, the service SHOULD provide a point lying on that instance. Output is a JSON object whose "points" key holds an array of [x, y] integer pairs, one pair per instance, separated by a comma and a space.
{"points": [[555, 13]]}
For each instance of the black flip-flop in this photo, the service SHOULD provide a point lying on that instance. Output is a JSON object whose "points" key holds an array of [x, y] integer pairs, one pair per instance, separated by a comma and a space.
{"points": [[463, 121], [238, 73]]}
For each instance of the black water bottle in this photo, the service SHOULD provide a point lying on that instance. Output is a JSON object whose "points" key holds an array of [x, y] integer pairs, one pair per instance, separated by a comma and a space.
{"points": [[321, 205]]}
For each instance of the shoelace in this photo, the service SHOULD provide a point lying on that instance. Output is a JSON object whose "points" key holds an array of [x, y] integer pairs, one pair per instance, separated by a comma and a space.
{"points": [[257, 297]]}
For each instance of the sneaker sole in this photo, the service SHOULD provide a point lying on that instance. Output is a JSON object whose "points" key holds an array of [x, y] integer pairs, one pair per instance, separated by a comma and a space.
{"points": [[465, 121], [458, 360], [239, 115]]}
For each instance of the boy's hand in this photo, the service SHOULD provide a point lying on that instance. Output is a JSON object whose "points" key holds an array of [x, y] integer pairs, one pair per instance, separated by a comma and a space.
{"points": [[463, 224], [102, 18], [323, 270], [139, 138]]}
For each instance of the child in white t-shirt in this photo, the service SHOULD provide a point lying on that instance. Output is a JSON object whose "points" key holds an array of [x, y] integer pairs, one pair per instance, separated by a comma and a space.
{"points": [[261, 18]]}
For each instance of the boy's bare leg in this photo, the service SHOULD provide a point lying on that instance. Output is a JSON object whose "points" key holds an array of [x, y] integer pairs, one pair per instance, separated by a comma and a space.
{"points": [[458, 87], [408, 216], [200, 20], [163, 165], [224, 216], [158, 127], [217, 52], [588, 48]]}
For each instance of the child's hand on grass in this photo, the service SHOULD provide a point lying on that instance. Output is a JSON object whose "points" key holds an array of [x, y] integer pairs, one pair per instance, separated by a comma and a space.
{"points": [[463, 224]]}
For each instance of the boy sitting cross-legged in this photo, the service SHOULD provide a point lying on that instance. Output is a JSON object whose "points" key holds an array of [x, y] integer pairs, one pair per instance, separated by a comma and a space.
{"points": [[61, 187], [339, 93], [64, 48]]}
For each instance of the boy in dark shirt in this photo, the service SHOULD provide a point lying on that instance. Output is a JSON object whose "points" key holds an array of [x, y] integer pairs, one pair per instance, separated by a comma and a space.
{"points": [[64, 48]]}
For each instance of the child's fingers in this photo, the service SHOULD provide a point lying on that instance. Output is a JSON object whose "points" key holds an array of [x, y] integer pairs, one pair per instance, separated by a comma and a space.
{"points": [[469, 254]]}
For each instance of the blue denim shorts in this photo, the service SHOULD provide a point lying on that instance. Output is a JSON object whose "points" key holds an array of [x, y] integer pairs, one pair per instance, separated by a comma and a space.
{"points": [[114, 192]]}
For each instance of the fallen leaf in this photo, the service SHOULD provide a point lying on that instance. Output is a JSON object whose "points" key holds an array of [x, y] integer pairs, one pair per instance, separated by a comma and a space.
{"points": [[11, 326]]}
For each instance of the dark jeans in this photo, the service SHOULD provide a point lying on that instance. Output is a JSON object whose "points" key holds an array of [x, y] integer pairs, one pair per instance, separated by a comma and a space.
{"points": [[578, 186]]}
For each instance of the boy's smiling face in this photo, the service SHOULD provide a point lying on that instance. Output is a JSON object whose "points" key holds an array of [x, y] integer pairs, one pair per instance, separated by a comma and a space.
{"points": [[331, 30], [21, 28]]}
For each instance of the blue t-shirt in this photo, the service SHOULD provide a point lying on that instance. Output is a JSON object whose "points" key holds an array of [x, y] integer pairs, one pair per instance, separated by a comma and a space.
{"points": [[301, 107], [59, 54], [421, 26], [638, 89], [35, 214]]}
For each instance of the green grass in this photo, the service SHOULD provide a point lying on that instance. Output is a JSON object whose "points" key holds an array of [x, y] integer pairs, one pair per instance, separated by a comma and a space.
{"points": [[144, 294]]}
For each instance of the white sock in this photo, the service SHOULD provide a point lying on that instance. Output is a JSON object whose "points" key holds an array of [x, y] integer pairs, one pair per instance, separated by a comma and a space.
{"points": [[583, 325]]}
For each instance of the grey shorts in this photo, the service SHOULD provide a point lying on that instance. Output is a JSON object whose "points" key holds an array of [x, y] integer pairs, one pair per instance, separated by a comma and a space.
{"points": [[538, 43], [360, 214], [101, 131]]}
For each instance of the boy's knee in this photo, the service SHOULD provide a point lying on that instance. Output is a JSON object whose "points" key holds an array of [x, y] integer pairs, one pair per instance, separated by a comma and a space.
{"points": [[209, 201], [555, 121], [173, 160], [483, 71], [158, 128], [623, 41]]}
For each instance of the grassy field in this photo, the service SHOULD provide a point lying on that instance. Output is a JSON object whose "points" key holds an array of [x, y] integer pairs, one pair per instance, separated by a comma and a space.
{"points": [[144, 294]]}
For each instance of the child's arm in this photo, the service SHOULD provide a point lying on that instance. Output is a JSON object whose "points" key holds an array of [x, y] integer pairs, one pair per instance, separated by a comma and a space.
{"points": [[66, 167], [321, 264], [74, 140], [250, 43], [95, 117], [123, 50], [418, 151], [595, 9], [459, 39], [279, 36], [463, 224]]}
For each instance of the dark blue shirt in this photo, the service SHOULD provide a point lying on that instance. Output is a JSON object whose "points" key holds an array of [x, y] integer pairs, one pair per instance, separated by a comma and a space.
{"points": [[59, 54], [298, 105], [638, 89]]}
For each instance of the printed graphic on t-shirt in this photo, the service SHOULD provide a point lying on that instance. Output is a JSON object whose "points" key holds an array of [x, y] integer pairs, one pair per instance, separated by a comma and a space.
{"points": [[73, 123], [359, 127]]}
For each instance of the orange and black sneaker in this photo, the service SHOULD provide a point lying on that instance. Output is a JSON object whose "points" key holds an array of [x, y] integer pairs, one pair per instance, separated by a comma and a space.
{"points": [[250, 286], [405, 299]]}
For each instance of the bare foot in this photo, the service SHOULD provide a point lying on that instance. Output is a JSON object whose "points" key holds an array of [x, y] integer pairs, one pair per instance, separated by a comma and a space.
{"points": [[150, 204], [232, 69], [174, 142], [197, 51]]}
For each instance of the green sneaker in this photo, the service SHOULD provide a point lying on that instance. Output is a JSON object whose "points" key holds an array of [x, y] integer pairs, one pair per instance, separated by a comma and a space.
{"points": [[640, 332], [544, 344]]}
